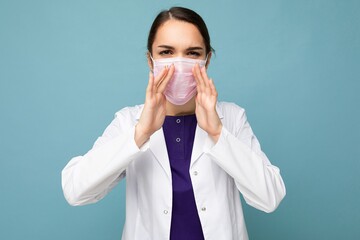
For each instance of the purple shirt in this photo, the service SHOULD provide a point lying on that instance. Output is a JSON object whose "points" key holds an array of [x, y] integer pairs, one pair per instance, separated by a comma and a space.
{"points": [[179, 132]]}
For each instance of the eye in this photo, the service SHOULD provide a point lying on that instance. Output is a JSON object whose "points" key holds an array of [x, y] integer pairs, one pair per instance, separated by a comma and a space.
{"points": [[165, 52], [194, 54]]}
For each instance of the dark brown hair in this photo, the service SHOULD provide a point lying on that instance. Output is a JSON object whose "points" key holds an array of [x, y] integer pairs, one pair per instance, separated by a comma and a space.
{"points": [[182, 14]]}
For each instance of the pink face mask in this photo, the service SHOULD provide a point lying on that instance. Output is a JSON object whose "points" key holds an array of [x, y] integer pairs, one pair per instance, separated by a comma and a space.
{"points": [[182, 86]]}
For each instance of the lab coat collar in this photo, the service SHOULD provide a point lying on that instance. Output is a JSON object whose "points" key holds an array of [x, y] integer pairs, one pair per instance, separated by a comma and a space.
{"points": [[218, 110], [158, 145]]}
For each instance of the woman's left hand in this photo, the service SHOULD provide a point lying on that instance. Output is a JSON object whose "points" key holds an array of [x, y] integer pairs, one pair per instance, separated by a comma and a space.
{"points": [[206, 99]]}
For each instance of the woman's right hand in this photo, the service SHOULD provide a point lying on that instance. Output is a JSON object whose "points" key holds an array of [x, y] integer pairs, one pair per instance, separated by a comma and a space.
{"points": [[154, 112]]}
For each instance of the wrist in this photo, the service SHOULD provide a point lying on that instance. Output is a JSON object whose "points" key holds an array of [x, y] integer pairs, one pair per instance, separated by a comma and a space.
{"points": [[216, 135], [140, 135]]}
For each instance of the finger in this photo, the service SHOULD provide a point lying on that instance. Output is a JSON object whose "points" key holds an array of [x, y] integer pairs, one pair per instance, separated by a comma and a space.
{"points": [[198, 77], [164, 77], [150, 84], [204, 76], [161, 76], [198, 83], [194, 72], [212, 86], [205, 81], [161, 88]]}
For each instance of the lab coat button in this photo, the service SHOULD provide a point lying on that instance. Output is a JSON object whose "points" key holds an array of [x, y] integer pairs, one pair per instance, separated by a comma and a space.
{"points": [[178, 139], [195, 173], [166, 212], [203, 209]]}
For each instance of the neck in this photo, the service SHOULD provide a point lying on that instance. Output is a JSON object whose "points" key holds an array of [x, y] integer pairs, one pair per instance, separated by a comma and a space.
{"points": [[178, 110]]}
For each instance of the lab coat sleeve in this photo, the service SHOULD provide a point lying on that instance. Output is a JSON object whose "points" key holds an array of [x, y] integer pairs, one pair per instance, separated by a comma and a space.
{"points": [[88, 178], [240, 155]]}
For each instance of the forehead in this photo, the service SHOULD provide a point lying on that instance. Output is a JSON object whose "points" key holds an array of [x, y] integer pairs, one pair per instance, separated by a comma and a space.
{"points": [[178, 34]]}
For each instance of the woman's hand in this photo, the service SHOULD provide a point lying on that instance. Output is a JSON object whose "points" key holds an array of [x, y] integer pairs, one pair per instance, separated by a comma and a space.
{"points": [[154, 112], [206, 98]]}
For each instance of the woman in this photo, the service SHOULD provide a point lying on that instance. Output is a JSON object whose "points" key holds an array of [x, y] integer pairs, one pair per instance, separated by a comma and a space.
{"points": [[185, 155]]}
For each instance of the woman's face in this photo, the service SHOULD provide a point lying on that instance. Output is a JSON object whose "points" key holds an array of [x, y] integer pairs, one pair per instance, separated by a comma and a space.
{"points": [[177, 38]]}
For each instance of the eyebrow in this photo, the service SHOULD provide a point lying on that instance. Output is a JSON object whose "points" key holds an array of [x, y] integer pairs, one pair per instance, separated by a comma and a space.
{"points": [[188, 49]]}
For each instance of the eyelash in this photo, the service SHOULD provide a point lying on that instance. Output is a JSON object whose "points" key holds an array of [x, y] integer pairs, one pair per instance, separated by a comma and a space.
{"points": [[165, 52], [168, 52], [194, 53]]}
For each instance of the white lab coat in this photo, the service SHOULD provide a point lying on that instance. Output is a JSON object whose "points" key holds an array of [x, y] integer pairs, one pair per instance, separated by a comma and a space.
{"points": [[218, 171]]}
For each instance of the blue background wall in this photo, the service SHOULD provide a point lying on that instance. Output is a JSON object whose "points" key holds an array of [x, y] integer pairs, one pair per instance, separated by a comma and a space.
{"points": [[67, 66]]}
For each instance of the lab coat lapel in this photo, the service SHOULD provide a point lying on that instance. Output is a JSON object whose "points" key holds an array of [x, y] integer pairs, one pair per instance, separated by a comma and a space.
{"points": [[202, 142], [158, 148], [198, 147]]}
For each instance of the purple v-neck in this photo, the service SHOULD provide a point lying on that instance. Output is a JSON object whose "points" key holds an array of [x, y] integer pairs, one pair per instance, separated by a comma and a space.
{"points": [[179, 132]]}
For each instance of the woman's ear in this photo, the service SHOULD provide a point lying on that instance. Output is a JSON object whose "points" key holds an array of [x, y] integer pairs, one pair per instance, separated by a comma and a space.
{"points": [[149, 60], [208, 60]]}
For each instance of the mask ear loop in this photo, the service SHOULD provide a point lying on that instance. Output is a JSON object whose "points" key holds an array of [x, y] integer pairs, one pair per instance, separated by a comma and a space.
{"points": [[153, 63], [206, 59], [151, 57]]}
